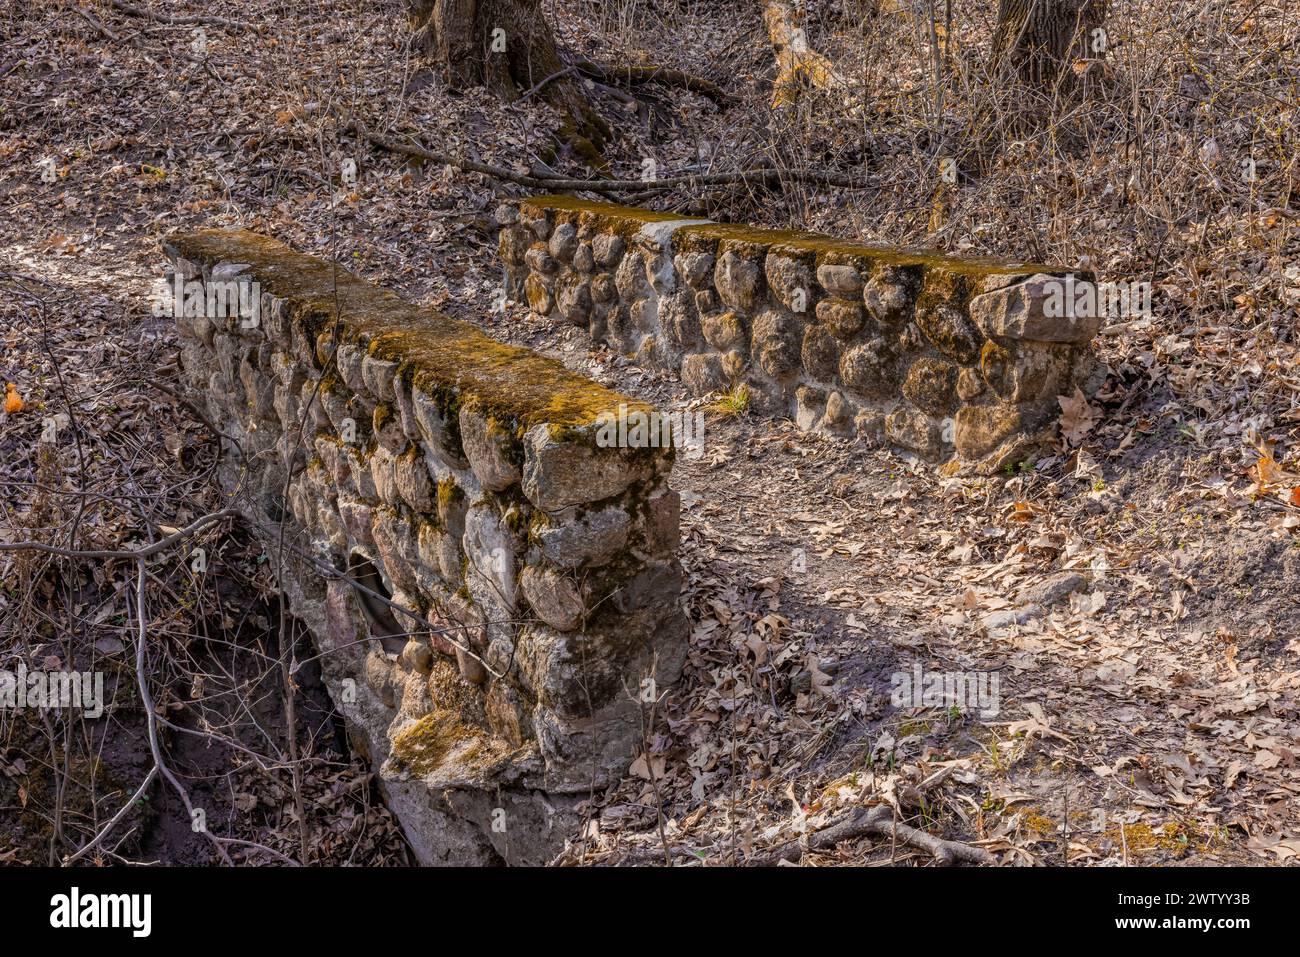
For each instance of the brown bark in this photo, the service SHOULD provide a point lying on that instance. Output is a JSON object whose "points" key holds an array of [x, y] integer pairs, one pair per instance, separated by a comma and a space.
{"points": [[507, 46], [1039, 38]]}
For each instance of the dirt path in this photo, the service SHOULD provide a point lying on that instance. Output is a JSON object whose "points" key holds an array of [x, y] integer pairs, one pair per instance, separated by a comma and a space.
{"points": [[1156, 695]]}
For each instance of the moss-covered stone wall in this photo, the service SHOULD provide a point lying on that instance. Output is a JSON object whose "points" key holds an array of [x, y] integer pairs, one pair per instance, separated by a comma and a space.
{"points": [[954, 359], [484, 580]]}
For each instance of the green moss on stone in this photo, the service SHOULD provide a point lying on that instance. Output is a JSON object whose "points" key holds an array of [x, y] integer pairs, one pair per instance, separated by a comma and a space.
{"points": [[446, 358], [814, 249], [448, 493]]}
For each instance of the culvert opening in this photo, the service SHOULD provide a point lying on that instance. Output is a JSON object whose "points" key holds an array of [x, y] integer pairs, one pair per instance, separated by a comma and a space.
{"points": [[373, 596]]}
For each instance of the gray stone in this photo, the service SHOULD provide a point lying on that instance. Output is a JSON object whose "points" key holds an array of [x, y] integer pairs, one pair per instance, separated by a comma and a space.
{"points": [[398, 552], [629, 278], [820, 353], [507, 713], [607, 249], [931, 386], [887, 299], [1052, 589], [1005, 622], [1025, 372], [843, 282], [790, 281], [388, 431], [553, 597], [559, 471], [383, 472], [659, 273], [696, 268], [417, 657], [970, 384], [913, 429], [777, 337], [435, 429], [870, 369], [603, 288], [378, 376], [471, 669], [564, 242], [679, 322], [540, 226], [980, 429], [362, 477], [739, 281], [412, 478], [349, 365], [655, 585], [490, 450], [702, 373], [838, 411], [490, 549], [592, 538], [840, 316], [512, 246], [810, 406], [540, 261], [538, 294], [725, 331], [661, 532], [947, 327], [406, 410], [1020, 311]]}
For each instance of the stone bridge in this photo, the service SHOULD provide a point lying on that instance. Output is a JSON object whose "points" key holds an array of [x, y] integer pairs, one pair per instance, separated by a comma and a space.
{"points": [[957, 360], [493, 586], [492, 590]]}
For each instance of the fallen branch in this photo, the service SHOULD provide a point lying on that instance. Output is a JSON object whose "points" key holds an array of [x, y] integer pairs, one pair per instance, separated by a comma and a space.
{"points": [[878, 821], [665, 76], [92, 20], [151, 714], [770, 176], [113, 822], [161, 545], [177, 19]]}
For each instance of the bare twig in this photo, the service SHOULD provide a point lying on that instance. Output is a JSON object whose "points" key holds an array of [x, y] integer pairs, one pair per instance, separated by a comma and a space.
{"points": [[771, 176]]}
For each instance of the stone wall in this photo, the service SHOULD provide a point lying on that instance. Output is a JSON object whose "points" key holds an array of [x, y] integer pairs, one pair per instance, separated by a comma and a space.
{"points": [[487, 585], [954, 359]]}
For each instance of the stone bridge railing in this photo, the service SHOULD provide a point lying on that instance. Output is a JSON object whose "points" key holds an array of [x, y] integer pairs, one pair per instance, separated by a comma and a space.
{"points": [[957, 360], [490, 587]]}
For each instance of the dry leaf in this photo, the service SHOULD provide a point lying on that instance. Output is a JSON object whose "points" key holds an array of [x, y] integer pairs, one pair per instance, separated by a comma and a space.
{"points": [[1077, 416]]}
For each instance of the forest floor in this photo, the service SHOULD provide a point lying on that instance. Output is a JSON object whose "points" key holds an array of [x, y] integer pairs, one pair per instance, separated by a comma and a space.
{"points": [[1148, 707]]}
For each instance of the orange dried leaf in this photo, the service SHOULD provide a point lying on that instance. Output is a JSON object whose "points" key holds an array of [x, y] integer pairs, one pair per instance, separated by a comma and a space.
{"points": [[13, 401], [1265, 471]]}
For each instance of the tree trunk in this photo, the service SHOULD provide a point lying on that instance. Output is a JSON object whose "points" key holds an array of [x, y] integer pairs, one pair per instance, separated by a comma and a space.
{"points": [[797, 64], [1039, 38], [507, 46]]}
